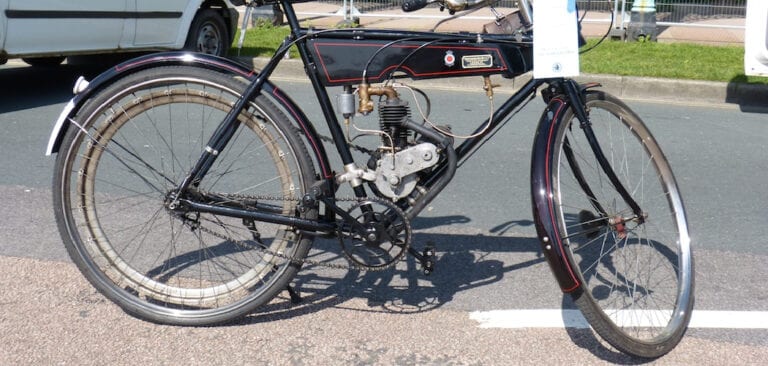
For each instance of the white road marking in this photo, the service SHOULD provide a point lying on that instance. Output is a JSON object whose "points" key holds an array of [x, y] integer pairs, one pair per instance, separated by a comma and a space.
{"points": [[554, 318]]}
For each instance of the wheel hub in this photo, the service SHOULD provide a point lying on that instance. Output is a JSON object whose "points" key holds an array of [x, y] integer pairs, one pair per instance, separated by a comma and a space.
{"points": [[617, 223], [208, 42], [171, 201]]}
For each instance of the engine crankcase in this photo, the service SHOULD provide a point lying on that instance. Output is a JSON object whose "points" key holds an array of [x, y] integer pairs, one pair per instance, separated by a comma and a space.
{"points": [[395, 172]]}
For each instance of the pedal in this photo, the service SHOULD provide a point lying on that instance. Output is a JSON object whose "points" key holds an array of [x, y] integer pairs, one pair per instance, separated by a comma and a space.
{"points": [[427, 267], [429, 250], [428, 259]]}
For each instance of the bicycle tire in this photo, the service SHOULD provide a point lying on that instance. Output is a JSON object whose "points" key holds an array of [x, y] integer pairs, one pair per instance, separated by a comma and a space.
{"points": [[134, 142], [635, 274]]}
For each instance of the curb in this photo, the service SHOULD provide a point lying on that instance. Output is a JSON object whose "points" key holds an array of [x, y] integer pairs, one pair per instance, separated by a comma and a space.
{"points": [[748, 97]]}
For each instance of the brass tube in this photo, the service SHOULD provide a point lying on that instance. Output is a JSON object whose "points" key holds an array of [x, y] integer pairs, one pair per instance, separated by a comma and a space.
{"points": [[365, 91]]}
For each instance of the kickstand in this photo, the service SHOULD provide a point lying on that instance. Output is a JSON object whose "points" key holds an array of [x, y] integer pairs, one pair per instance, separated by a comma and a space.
{"points": [[295, 297]]}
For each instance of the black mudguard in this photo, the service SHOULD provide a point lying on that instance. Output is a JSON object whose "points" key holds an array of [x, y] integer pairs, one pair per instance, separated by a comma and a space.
{"points": [[218, 64], [542, 195]]}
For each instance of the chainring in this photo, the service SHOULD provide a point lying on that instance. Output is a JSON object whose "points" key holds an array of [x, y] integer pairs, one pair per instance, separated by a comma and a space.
{"points": [[379, 236]]}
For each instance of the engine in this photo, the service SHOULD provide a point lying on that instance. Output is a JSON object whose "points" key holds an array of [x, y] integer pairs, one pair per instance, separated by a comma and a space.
{"points": [[394, 166]]}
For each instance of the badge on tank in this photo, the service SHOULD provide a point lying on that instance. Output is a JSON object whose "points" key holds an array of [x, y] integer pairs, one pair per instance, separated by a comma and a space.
{"points": [[476, 61], [449, 59]]}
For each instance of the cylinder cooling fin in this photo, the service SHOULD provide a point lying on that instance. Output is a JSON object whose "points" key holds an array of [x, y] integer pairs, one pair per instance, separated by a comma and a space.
{"points": [[392, 113]]}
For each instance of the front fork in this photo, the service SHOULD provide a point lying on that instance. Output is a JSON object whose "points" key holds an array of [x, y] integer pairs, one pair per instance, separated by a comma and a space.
{"points": [[577, 97]]}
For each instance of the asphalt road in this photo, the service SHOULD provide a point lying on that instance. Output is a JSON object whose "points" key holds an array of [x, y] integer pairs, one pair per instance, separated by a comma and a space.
{"points": [[488, 257]]}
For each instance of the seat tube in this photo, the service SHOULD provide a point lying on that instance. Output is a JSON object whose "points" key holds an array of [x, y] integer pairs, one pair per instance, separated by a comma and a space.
{"points": [[230, 124], [324, 100], [221, 137]]}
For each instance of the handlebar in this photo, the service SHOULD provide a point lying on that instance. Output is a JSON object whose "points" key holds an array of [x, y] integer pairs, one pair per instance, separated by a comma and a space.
{"points": [[413, 5], [451, 5]]}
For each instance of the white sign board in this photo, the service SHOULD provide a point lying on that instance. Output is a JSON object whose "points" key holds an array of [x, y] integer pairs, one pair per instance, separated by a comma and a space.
{"points": [[555, 39], [756, 38]]}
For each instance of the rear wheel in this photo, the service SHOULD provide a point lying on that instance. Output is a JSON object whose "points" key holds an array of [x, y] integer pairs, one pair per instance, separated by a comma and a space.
{"points": [[117, 173], [636, 271]]}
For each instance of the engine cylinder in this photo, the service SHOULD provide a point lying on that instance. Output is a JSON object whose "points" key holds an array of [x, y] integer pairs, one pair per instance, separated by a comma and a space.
{"points": [[392, 113]]}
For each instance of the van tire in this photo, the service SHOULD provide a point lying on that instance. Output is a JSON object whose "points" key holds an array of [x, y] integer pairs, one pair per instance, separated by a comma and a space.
{"points": [[208, 34], [44, 61]]}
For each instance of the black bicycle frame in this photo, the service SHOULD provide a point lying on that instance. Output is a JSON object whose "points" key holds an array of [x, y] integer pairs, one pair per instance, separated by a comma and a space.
{"points": [[436, 180]]}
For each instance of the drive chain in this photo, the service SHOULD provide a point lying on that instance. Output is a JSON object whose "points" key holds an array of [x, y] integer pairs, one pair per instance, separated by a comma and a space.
{"points": [[292, 259]]}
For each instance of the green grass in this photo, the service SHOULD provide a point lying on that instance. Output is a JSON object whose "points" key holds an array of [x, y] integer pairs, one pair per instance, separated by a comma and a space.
{"points": [[645, 59], [261, 41], [668, 60]]}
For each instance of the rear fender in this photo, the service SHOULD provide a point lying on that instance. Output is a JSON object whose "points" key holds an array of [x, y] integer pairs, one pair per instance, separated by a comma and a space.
{"points": [[191, 59]]}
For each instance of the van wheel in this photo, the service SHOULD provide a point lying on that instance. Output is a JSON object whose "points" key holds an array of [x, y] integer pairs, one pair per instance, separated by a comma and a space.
{"points": [[208, 34], [44, 61]]}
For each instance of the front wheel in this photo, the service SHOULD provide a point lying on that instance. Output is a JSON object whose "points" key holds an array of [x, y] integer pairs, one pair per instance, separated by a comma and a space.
{"points": [[115, 181], [634, 270]]}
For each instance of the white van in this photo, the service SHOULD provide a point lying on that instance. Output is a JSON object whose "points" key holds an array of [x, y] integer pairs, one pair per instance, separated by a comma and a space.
{"points": [[44, 32]]}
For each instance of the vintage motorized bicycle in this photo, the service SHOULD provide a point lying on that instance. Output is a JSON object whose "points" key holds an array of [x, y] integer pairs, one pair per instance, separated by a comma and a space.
{"points": [[189, 188]]}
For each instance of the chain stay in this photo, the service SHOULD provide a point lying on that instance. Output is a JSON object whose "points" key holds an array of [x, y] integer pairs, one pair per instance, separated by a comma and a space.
{"points": [[292, 259]]}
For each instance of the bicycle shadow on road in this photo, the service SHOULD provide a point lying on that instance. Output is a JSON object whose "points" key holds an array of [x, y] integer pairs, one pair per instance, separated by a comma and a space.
{"points": [[463, 262]]}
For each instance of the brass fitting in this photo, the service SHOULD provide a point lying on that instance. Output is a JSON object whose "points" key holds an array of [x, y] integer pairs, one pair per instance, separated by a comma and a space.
{"points": [[365, 91], [488, 87]]}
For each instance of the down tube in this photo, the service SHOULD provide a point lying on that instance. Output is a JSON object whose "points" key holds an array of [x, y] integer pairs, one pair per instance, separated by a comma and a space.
{"points": [[543, 201]]}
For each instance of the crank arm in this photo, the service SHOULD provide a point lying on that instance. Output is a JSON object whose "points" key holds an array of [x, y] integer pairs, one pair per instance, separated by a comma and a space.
{"points": [[347, 220]]}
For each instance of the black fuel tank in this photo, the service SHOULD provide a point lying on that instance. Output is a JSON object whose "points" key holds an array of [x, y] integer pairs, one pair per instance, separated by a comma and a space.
{"points": [[341, 61]]}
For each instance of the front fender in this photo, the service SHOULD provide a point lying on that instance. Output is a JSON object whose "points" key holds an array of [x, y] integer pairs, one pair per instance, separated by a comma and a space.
{"points": [[543, 203], [191, 59]]}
